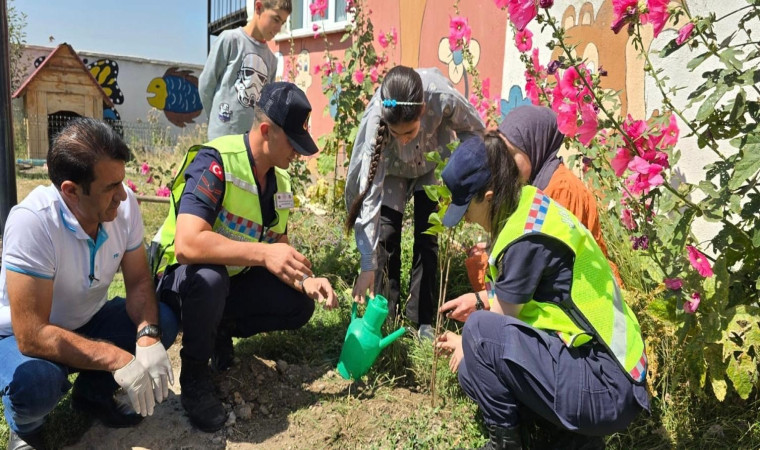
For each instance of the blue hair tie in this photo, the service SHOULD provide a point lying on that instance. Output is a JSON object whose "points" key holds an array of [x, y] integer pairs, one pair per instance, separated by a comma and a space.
{"points": [[392, 103]]}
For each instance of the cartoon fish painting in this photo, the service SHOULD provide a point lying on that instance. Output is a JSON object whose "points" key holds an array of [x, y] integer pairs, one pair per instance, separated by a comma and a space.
{"points": [[176, 93]]}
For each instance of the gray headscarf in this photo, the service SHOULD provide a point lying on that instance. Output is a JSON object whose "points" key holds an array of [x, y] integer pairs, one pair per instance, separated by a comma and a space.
{"points": [[533, 130]]}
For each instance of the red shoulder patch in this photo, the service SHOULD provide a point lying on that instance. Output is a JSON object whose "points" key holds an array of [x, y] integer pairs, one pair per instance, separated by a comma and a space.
{"points": [[216, 169]]}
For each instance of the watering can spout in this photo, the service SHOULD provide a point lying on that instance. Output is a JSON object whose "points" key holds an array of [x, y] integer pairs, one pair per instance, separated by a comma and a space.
{"points": [[387, 340]]}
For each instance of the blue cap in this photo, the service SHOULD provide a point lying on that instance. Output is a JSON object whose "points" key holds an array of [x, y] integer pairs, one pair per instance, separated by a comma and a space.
{"points": [[465, 175], [287, 106]]}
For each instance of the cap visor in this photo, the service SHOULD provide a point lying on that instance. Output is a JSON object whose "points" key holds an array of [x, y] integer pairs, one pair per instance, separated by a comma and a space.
{"points": [[303, 143], [454, 214]]}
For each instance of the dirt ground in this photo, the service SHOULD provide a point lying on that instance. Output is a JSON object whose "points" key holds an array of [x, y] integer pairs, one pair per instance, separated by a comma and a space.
{"points": [[272, 404]]}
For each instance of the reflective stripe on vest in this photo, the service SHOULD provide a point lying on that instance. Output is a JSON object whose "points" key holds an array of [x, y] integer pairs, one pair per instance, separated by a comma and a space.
{"points": [[240, 215], [596, 307]]}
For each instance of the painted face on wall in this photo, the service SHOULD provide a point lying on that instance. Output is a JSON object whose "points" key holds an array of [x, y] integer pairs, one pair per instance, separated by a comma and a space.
{"points": [[251, 78]]}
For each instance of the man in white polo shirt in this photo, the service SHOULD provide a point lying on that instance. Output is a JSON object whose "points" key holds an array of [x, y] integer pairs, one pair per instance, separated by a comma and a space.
{"points": [[62, 246]]}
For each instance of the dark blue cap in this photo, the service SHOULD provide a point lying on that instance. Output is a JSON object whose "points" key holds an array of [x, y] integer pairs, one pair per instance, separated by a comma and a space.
{"points": [[465, 175], [287, 106]]}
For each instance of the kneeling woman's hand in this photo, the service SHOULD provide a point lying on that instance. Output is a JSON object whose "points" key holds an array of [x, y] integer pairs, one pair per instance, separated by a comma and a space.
{"points": [[451, 343], [321, 290]]}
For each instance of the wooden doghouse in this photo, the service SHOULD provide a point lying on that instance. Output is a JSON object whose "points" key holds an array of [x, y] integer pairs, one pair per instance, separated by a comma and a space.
{"points": [[59, 89]]}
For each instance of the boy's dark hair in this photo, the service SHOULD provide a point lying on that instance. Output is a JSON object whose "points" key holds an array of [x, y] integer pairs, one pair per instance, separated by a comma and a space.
{"points": [[78, 147], [402, 84], [285, 5], [505, 182]]}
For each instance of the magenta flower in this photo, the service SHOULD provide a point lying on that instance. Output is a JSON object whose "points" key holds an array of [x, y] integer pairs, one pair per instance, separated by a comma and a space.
{"points": [[394, 36], [374, 75], [670, 133], [589, 124], [691, 304], [339, 68], [623, 12], [524, 40], [627, 219], [501, 3], [382, 39], [359, 77], [163, 191], [546, 3], [315, 29], [318, 7], [621, 160], [145, 168], [459, 32], [699, 262], [657, 15], [132, 186], [673, 284], [684, 34], [149, 180], [521, 12]]}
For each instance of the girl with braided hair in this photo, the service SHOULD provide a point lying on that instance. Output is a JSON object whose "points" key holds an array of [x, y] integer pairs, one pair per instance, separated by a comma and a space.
{"points": [[415, 111]]}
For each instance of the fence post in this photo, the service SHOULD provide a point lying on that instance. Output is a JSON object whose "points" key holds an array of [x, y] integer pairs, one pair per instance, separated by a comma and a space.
{"points": [[7, 151]]}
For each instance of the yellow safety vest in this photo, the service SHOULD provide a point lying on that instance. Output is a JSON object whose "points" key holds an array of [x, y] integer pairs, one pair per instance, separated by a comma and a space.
{"points": [[240, 215], [595, 308]]}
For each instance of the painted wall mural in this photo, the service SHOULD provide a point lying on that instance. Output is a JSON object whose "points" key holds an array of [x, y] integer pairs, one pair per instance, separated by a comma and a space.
{"points": [[303, 76], [456, 63], [106, 73], [176, 94]]}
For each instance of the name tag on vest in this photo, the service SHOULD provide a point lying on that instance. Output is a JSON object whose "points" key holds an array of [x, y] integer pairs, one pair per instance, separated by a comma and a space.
{"points": [[283, 200]]}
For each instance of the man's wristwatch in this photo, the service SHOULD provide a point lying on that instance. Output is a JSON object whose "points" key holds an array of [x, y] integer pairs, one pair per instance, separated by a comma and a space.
{"points": [[478, 302], [150, 330]]}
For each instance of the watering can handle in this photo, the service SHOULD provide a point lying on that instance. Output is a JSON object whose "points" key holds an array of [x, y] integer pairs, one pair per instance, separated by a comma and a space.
{"points": [[353, 310]]}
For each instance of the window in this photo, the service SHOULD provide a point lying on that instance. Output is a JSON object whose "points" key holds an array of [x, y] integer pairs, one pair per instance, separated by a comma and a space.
{"points": [[301, 21]]}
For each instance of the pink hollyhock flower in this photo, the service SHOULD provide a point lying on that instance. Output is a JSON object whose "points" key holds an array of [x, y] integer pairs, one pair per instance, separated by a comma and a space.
{"points": [[699, 262], [684, 34], [394, 36], [627, 219], [374, 75], [621, 160], [382, 39], [317, 69], [571, 85], [521, 12], [163, 191], [531, 88], [339, 68], [524, 40], [485, 87], [567, 117], [673, 284], [546, 3], [657, 15], [474, 100], [315, 29], [145, 168], [501, 3], [670, 133], [359, 77], [132, 186], [623, 12], [459, 32], [589, 124], [691, 304], [149, 180], [318, 7]]}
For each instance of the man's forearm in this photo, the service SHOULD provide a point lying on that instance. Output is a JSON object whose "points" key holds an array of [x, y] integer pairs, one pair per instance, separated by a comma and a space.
{"points": [[209, 247]]}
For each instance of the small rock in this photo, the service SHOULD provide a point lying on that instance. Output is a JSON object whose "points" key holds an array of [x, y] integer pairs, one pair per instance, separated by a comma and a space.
{"points": [[243, 412], [264, 410], [282, 366], [238, 398], [231, 419], [319, 387]]}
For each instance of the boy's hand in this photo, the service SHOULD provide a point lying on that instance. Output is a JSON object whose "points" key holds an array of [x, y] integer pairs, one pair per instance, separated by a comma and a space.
{"points": [[364, 282], [450, 342], [321, 290]]}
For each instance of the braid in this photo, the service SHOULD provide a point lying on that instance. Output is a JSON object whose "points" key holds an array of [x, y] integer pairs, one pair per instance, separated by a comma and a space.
{"points": [[380, 138]]}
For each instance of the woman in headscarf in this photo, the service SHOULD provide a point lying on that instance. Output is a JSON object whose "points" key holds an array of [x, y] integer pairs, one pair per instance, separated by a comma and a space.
{"points": [[533, 139]]}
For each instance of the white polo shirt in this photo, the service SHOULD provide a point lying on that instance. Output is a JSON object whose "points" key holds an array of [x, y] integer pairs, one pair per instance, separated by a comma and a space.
{"points": [[43, 239]]}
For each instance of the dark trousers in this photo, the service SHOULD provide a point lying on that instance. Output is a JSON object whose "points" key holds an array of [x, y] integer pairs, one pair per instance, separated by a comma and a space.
{"points": [[512, 371], [251, 302], [32, 387], [422, 286]]}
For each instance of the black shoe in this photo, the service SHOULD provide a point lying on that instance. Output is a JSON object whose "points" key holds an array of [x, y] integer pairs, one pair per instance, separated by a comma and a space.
{"points": [[567, 440], [224, 352], [199, 397], [105, 408], [503, 438], [30, 441]]}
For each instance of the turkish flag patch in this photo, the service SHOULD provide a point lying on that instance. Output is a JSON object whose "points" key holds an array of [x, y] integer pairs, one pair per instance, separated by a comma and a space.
{"points": [[216, 169]]}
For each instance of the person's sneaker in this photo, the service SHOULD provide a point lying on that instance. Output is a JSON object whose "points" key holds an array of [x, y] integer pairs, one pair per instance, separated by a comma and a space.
{"points": [[426, 332], [199, 398], [501, 438], [29, 441], [224, 352], [103, 407]]}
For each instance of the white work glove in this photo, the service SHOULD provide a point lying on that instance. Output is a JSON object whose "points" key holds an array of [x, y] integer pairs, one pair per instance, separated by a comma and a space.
{"points": [[155, 360], [134, 379]]}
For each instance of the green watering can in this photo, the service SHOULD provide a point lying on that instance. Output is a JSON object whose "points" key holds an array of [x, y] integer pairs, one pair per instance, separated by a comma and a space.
{"points": [[363, 339]]}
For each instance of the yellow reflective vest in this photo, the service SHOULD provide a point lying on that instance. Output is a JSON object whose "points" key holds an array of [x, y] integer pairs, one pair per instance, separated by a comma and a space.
{"points": [[240, 215], [595, 309]]}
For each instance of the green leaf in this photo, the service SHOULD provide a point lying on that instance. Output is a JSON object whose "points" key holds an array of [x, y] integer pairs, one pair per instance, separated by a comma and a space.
{"points": [[742, 371], [708, 106], [749, 162], [728, 56], [756, 238], [694, 63], [737, 111], [663, 309], [431, 191], [716, 368]]}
